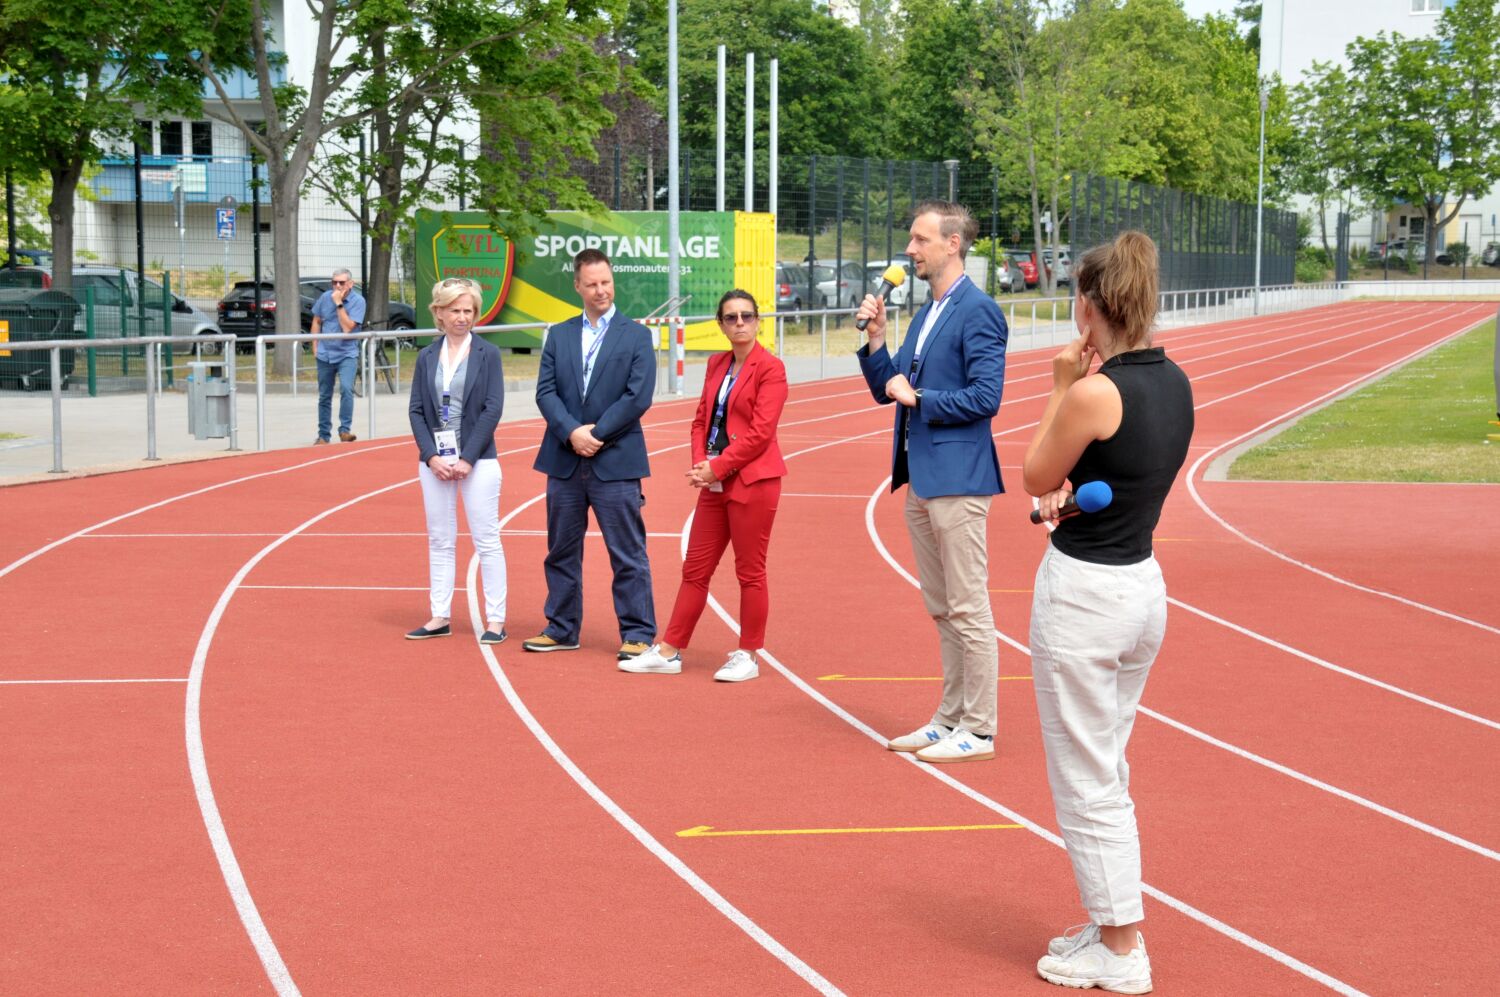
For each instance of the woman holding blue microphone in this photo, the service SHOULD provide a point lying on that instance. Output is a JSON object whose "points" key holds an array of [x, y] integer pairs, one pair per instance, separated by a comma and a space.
{"points": [[1099, 609]]}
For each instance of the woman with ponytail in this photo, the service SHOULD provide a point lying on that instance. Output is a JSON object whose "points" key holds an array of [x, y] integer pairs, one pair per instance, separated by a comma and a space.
{"points": [[1099, 609]]}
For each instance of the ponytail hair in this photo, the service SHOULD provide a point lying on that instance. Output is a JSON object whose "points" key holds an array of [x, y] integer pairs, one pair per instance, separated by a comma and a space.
{"points": [[1120, 278]]}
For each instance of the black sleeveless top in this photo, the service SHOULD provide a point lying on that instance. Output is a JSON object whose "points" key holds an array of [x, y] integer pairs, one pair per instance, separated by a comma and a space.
{"points": [[1139, 462]]}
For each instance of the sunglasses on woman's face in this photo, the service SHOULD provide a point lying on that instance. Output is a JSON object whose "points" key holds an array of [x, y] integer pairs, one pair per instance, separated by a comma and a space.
{"points": [[739, 318]]}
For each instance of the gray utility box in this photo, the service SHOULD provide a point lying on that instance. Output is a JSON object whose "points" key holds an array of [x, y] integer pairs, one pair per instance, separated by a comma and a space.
{"points": [[208, 400]]}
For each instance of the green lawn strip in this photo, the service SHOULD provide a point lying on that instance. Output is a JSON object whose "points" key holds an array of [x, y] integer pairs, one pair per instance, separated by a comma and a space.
{"points": [[1427, 421], [11, 436]]}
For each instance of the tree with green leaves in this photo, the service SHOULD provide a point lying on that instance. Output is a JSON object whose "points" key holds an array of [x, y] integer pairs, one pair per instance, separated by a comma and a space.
{"points": [[526, 72], [926, 117], [831, 90], [1426, 114], [1323, 160], [536, 93], [71, 76]]}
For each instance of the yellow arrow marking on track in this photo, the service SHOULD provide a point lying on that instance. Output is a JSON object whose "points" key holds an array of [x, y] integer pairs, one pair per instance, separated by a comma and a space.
{"points": [[707, 830], [906, 678]]}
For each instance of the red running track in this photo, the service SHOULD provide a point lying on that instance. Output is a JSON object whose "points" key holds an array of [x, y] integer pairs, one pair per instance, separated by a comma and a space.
{"points": [[226, 773]]}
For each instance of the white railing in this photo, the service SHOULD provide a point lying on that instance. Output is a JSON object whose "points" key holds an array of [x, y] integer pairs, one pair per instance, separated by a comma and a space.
{"points": [[1034, 323]]}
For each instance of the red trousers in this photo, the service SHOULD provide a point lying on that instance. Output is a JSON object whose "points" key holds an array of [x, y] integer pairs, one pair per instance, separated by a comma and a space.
{"points": [[744, 521]]}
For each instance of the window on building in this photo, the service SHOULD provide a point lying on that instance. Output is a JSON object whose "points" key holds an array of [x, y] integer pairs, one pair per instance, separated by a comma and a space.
{"points": [[145, 136], [203, 138], [171, 138], [1426, 6]]}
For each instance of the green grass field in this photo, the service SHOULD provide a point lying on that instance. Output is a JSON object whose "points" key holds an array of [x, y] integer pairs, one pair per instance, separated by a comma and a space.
{"points": [[1428, 421]]}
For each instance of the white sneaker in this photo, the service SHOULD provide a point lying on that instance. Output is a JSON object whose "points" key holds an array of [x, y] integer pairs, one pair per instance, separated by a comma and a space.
{"points": [[959, 746], [1094, 965], [922, 737], [739, 668], [1080, 934], [652, 662]]}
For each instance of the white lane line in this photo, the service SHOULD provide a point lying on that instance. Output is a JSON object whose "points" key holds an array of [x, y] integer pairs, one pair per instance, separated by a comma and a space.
{"points": [[1464, 843], [1416, 697], [1338, 669], [648, 841], [12, 566], [832, 495], [346, 588], [84, 681], [1192, 484], [213, 821], [936, 772]]}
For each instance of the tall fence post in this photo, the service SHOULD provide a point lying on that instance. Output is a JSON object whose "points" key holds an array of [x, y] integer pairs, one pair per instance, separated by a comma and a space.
{"points": [[54, 360]]}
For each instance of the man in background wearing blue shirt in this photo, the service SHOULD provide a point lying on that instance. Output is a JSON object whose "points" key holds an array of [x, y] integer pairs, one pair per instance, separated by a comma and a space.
{"points": [[342, 308]]}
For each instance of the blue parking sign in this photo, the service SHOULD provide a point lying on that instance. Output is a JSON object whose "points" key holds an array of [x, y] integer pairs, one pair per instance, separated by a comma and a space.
{"points": [[224, 222]]}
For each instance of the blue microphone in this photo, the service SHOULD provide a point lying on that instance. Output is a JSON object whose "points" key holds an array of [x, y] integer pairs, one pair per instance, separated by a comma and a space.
{"points": [[1091, 496]]}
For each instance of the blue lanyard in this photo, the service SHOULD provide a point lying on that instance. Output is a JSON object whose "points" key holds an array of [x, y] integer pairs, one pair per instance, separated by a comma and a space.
{"points": [[729, 378], [588, 360]]}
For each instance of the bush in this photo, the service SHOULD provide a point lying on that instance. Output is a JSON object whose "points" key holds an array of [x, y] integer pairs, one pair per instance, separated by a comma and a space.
{"points": [[1312, 265], [1459, 252]]}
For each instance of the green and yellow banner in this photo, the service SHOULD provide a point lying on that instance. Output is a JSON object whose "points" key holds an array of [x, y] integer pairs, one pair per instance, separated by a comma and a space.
{"points": [[533, 282]]}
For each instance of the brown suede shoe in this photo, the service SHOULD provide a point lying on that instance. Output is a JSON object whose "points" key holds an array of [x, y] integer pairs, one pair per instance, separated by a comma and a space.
{"points": [[631, 649], [347, 437], [319, 442]]}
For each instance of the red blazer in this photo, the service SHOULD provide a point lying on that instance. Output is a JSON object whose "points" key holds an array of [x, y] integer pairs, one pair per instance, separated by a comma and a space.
{"points": [[754, 410]]}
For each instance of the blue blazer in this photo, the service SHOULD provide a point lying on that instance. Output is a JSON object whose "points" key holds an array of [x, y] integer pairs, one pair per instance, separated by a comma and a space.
{"points": [[961, 373], [484, 401], [619, 393]]}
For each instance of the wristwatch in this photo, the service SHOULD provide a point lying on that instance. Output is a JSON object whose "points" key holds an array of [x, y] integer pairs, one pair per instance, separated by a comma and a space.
{"points": [[339, 305], [918, 393]]}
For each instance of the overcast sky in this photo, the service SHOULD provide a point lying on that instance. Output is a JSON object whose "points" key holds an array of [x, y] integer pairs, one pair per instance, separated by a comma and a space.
{"points": [[1197, 8]]}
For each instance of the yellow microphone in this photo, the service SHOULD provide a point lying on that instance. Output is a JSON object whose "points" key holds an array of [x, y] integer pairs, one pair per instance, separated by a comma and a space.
{"points": [[894, 277]]}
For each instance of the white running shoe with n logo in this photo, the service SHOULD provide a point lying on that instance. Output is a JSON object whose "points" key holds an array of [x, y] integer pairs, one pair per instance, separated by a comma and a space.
{"points": [[922, 737], [959, 746]]}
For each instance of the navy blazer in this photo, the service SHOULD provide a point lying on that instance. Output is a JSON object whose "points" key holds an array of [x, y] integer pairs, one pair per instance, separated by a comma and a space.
{"points": [[950, 450], [619, 393], [483, 401]]}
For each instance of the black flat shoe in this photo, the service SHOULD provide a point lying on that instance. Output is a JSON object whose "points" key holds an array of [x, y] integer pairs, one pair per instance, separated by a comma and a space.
{"points": [[490, 637], [422, 633]]}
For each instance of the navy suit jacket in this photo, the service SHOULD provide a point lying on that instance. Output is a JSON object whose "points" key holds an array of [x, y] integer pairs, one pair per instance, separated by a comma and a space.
{"points": [[619, 393], [949, 450], [484, 401]]}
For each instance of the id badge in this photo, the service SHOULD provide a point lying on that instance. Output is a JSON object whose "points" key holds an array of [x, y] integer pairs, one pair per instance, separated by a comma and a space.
{"points": [[447, 445], [717, 486]]}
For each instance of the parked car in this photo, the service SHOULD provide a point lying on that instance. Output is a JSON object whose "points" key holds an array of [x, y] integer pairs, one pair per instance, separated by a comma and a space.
{"points": [[125, 304], [846, 290], [1026, 260], [1491, 255], [1063, 268], [791, 284], [1008, 275], [1401, 249], [913, 289]]}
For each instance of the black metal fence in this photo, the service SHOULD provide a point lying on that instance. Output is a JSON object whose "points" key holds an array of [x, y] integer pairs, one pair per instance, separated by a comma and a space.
{"points": [[1204, 242]]}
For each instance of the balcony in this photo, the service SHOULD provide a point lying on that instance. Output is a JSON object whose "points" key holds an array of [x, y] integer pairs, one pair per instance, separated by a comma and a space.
{"points": [[204, 181]]}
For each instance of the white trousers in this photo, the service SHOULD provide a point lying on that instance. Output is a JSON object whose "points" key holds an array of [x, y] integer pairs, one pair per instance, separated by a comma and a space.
{"points": [[481, 492], [1095, 630]]}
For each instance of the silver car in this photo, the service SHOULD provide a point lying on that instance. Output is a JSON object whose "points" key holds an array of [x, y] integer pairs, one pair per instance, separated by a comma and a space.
{"points": [[124, 302]]}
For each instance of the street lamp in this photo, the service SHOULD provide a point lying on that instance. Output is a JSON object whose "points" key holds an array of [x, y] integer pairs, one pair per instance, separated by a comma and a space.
{"points": [[1260, 194]]}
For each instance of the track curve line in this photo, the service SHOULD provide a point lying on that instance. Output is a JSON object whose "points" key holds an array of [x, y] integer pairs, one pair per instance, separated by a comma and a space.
{"points": [[1181, 906], [1195, 473]]}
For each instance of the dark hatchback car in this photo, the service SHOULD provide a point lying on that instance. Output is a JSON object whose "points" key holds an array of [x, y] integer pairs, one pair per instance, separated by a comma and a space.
{"points": [[237, 311]]}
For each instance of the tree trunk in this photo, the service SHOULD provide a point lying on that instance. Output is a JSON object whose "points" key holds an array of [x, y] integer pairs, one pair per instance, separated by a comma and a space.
{"points": [[60, 211], [285, 187]]}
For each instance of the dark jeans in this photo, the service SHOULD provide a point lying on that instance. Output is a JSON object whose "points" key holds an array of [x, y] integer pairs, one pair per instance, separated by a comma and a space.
{"points": [[617, 509], [345, 369]]}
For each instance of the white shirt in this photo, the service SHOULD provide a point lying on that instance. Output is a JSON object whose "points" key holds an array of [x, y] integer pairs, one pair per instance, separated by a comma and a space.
{"points": [[590, 343], [936, 312]]}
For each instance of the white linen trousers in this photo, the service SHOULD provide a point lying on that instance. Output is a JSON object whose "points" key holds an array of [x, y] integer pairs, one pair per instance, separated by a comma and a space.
{"points": [[1095, 630], [481, 493]]}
